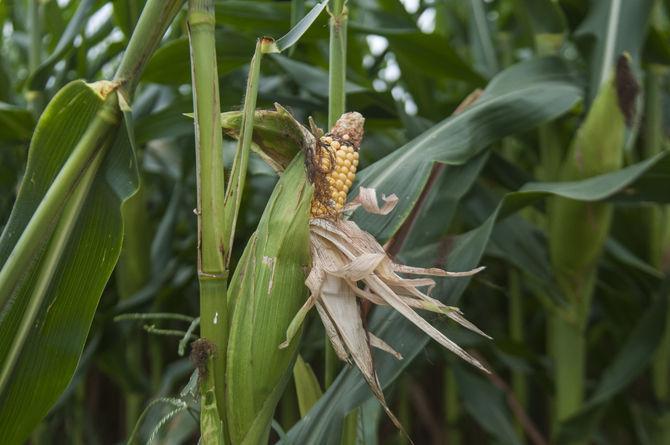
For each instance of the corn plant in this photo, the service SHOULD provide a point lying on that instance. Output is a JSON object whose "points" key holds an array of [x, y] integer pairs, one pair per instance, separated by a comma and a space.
{"points": [[243, 222]]}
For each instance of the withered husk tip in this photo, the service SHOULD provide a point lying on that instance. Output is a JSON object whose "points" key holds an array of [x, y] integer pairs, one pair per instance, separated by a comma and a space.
{"points": [[627, 88]]}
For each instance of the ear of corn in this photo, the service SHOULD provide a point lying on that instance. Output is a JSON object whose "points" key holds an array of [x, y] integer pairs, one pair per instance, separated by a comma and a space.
{"points": [[336, 161], [578, 229], [266, 290]]}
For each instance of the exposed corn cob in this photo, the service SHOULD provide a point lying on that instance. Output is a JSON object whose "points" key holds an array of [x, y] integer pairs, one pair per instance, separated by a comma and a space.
{"points": [[334, 165]]}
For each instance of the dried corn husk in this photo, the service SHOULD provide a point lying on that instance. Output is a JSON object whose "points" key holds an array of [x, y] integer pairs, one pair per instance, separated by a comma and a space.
{"points": [[348, 264]]}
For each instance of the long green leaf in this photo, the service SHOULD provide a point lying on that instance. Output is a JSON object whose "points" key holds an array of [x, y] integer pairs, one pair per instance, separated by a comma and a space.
{"points": [[323, 423], [616, 26], [77, 266], [516, 100], [306, 385]]}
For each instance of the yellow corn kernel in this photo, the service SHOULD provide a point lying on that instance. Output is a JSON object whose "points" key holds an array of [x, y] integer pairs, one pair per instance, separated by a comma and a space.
{"points": [[337, 161]]}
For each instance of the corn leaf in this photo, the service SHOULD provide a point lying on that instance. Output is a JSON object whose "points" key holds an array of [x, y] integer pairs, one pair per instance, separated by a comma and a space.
{"points": [[486, 405], [277, 136], [75, 26], [611, 28], [16, 123], [516, 100], [306, 385], [64, 282]]}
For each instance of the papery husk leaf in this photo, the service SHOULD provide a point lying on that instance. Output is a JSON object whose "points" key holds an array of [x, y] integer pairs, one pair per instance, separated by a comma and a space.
{"points": [[339, 304], [353, 242], [266, 290], [380, 344], [367, 198]]}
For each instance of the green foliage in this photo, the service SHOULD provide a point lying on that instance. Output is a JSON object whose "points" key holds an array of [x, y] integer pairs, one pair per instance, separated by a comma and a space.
{"points": [[542, 178], [38, 357]]}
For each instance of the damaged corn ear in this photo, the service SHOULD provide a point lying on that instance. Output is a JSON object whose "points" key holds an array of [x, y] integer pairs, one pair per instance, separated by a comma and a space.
{"points": [[333, 165], [266, 290], [349, 265]]}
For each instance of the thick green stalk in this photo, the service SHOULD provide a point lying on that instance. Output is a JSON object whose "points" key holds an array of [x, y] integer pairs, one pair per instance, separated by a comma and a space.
{"points": [[337, 74], [337, 70], [212, 273], [132, 272], [154, 21], [134, 266], [233, 200]]}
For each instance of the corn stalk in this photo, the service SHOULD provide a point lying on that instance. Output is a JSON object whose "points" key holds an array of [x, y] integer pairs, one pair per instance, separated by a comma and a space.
{"points": [[212, 247]]}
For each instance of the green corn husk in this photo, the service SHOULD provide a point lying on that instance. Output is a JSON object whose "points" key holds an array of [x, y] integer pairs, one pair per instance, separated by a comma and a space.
{"points": [[277, 136], [578, 230], [266, 291]]}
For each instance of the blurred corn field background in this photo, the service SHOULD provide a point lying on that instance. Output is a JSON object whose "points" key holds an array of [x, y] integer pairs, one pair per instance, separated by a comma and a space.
{"points": [[527, 136]]}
